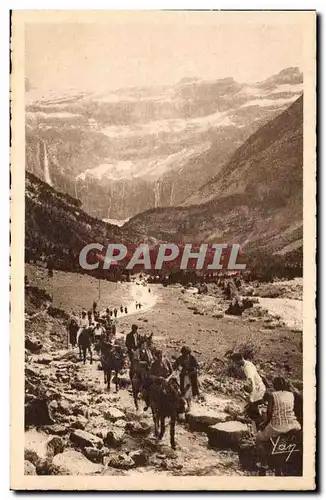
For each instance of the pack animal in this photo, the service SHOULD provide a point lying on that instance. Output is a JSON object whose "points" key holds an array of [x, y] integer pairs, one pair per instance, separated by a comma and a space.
{"points": [[166, 401], [113, 360]]}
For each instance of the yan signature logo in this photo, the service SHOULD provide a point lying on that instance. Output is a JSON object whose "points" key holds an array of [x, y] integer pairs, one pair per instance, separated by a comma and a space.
{"points": [[282, 447]]}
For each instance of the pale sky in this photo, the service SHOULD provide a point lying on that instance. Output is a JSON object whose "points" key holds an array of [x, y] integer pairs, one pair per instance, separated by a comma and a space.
{"points": [[97, 57]]}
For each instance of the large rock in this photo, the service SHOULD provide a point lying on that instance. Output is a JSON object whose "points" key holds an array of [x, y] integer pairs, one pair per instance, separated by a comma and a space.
{"points": [[114, 414], [80, 423], [138, 428], [114, 438], [32, 344], [122, 461], [37, 413], [94, 454], [79, 386], [58, 429], [75, 463], [200, 418], [40, 450], [227, 434], [120, 423], [83, 439], [35, 446], [29, 468], [65, 407], [139, 457], [55, 445], [44, 360]]}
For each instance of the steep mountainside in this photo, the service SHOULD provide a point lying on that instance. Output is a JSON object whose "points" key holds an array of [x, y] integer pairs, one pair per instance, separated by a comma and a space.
{"points": [[124, 152], [255, 200], [57, 227]]}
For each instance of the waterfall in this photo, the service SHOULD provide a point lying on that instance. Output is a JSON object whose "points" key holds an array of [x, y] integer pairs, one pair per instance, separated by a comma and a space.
{"points": [[47, 177], [157, 194], [171, 194]]}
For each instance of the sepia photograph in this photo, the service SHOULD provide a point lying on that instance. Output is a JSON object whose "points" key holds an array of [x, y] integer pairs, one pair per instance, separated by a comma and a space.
{"points": [[163, 250]]}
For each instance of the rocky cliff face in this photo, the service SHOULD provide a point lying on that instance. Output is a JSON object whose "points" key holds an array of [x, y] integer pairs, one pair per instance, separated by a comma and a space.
{"points": [[255, 200], [125, 152], [57, 228]]}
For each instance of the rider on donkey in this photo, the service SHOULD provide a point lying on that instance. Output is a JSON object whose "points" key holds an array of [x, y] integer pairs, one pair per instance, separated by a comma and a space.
{"points": [[132, 342], [161, 366]]}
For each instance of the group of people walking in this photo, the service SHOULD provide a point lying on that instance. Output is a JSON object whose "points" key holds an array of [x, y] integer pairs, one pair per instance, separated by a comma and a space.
{"points": [[162, 367], [284, 402]]}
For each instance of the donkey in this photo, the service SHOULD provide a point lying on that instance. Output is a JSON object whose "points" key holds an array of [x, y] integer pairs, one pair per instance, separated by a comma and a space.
{"points": [[165, 400], [113, 359]]}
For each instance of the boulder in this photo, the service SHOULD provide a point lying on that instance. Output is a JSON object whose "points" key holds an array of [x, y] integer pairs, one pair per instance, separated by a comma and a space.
{"points": [[227, 435], [44, 360], [200, 418], [94, 454], [37, 413], [139, 457], [33, 344], [45, 467], [114, 414], [58, 429], [80, 423], [138, 428], [120, 423], [75, 463], [38, 446], [79, 386], [83, 439], [114, 438], [248, 456], [218, 315], [65, 407], [55, 445], [29, 468], [122, 461]]}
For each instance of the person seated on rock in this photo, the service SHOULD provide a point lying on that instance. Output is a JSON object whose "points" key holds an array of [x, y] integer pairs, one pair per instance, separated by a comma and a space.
{"points": [[189, 367], [256, 389], [280, 417], [161, 366]]}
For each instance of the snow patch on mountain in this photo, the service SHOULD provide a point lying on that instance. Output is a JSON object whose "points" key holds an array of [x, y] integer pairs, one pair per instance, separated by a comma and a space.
{"points": [[149, 169], [270, 102]]}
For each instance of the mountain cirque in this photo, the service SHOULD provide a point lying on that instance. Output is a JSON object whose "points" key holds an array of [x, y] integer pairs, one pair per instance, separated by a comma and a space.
{"points": [[124, 152]]}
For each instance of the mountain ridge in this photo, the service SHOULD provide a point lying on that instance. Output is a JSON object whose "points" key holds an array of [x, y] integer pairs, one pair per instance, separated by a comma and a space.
{"points": [[248, 202], [124, 152]]}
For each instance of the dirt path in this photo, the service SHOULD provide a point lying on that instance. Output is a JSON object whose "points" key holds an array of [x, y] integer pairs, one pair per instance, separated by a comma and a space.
{"points": [[192, 457], [139, 294], [169, 314]]}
